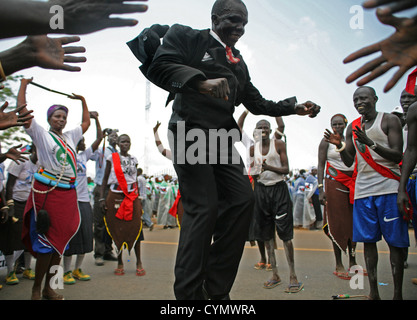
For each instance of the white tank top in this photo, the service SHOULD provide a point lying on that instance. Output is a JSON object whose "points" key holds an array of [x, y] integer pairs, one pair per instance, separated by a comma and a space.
{"points": [[369, 182], [334, 159], [268, 178]]}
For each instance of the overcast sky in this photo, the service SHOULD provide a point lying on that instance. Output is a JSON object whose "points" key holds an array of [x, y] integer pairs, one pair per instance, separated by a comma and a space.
{"points": [[292, 48]]}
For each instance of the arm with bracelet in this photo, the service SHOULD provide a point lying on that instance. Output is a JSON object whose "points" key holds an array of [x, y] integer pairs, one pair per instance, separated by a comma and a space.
{"points": [[345, 148], [165, 152]]}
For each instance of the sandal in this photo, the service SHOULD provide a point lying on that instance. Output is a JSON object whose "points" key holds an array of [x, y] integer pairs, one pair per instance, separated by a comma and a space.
{"points": [[119, 271], [140, 272], [259, 266], [268, 267], [271, 284], [294, 288], [342, 275], [365, 273]]}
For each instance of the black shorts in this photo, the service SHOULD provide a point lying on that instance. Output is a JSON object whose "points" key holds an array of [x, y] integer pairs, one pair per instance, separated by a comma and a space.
{"points": [[273, 210]]}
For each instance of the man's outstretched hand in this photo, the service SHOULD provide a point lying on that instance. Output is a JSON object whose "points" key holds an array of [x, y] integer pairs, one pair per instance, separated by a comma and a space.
{"points": [[82, 17], [308, 108], [387, 7], [398, 50]]}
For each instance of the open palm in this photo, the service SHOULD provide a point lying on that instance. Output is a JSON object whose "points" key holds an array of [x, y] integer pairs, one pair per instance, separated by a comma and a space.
{"points": [[332, 137], [398, 50], [82, 17]]}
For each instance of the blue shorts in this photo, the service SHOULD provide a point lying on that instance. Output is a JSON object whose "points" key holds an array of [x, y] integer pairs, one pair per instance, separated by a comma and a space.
{"points": [[377, 216]]}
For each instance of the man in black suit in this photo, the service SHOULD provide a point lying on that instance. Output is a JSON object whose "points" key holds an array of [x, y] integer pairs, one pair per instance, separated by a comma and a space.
{"points": [[209, 78]]}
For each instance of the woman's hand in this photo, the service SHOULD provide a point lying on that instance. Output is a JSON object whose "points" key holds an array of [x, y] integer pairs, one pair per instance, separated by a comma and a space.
{"points": [[333, 138]]}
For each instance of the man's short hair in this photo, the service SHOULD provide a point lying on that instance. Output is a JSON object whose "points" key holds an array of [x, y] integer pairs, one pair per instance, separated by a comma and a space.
{"points": [[370, 89], [263, 120], [220, 7], [121, 136]]}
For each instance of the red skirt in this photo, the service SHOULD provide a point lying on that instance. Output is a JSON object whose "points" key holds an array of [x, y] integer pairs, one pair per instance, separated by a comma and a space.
{"points": [[338, 214], [62, 207]]}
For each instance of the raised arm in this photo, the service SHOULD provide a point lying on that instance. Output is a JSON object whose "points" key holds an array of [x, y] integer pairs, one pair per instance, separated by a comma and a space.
{"points": [[254, 167], [85, 122], [279, 132], [21, 100], [165, 152], [345, 148], [99, 134], [242, 119]]}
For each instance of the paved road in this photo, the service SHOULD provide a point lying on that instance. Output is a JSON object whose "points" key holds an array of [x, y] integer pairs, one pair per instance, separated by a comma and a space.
{"points": [[314, 267]]}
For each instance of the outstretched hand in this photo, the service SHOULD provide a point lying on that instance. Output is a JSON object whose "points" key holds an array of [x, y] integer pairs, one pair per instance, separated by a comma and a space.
{"points": [[82, 17], [308, 108], [386, 7], [15, 155], [333, 137], [13, 118], [52, 53], [398, 50]]}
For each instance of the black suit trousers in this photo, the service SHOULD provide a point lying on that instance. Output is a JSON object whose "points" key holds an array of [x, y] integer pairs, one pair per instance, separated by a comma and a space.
{"points": [[218, 204]]}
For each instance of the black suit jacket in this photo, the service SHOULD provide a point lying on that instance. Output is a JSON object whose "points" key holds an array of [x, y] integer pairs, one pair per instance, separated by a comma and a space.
{"points": [[187, 54]]}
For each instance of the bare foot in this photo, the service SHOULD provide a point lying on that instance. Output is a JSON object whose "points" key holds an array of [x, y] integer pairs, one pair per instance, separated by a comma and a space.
{"points": [[36, 294], [50, 294]]}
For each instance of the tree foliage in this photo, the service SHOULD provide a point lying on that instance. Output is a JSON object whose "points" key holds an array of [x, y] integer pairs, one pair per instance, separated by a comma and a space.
{"points": [[16, 135]]}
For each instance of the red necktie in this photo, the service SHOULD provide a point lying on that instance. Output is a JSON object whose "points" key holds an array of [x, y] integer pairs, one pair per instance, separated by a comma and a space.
{"points": [[411, 82], [230, 57]]}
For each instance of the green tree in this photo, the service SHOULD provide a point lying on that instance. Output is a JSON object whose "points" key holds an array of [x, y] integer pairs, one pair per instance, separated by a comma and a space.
{"points": [[16, 135]]}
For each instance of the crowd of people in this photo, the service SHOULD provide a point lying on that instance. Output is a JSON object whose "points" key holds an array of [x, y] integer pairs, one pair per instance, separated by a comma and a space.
{"points": [[362, 189]]}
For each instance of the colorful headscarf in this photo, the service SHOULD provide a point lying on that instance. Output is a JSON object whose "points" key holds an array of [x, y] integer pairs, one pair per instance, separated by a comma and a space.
{"points": [[54, 108]]}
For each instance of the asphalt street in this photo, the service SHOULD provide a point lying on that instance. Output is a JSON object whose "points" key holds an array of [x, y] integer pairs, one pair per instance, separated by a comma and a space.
{"points": [[314, 261]]}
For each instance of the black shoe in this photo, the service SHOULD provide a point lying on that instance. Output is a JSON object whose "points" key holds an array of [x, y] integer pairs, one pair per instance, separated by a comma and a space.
{"points": [[109, 257]]}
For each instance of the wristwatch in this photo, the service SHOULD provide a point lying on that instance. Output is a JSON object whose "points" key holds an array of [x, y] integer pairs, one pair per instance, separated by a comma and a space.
{"points": [[373, 147]]}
